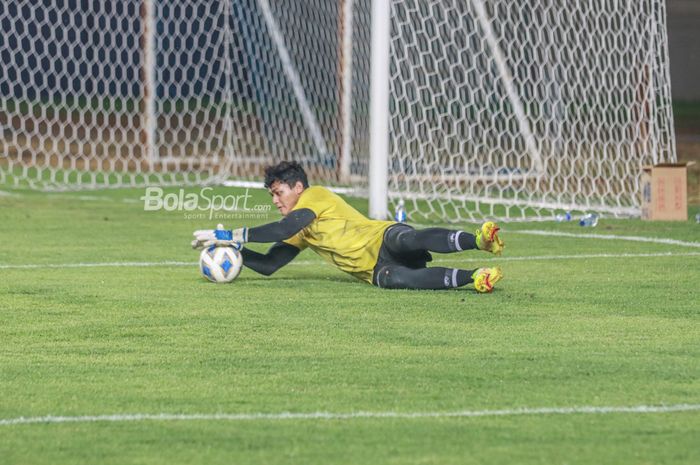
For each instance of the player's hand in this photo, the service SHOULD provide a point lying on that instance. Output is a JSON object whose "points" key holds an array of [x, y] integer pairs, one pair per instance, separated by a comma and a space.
{"points": [[220, 237]]}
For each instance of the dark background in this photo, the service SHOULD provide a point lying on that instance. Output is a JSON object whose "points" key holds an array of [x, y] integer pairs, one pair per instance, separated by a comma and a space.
{"points": [[683, 20], [684, 48]]}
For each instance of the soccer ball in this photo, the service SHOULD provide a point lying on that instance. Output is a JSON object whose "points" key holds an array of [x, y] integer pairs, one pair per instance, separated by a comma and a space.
{"points": [[220, 264]]}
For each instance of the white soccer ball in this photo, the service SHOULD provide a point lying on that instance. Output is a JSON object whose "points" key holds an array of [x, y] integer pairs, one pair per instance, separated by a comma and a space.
{"points": [[220, 264]]}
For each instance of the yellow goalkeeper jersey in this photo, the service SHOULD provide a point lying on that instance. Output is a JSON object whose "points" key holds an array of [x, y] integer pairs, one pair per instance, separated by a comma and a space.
{"points": [[340, 234]]}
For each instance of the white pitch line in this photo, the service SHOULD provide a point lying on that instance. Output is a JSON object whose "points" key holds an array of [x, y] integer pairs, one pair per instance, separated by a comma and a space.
{"points": [[309, 262], [571, 257], [609, 237], [637, 409], [94, 265]]}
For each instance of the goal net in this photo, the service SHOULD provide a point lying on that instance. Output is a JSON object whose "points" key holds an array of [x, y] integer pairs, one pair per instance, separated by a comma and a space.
{"points": [[136, 92], [519, 109], [497, 108]]}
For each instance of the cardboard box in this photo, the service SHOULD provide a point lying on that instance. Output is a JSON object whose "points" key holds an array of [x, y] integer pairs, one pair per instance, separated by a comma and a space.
{"points": [[665, 192]]}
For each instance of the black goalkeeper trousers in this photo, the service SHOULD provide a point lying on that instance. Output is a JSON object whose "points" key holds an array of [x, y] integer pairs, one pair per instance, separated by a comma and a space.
{"points": [[405, 253]]}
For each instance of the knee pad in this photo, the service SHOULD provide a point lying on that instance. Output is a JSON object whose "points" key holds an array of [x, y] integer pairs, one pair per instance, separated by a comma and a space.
{"points": [[390, 279]]}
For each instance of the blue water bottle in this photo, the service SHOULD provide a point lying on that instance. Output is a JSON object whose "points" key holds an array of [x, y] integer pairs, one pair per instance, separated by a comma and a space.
{"points": [[565, 217], [400, 215], [589, 220]]}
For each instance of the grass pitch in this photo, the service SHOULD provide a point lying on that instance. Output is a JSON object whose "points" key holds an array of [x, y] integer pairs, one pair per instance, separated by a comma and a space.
{"points": [[114, 329]]}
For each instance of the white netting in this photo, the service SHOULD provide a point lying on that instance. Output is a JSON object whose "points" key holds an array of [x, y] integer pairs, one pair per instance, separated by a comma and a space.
{"points": [[135, 92], [517, 109], [498, 108]]}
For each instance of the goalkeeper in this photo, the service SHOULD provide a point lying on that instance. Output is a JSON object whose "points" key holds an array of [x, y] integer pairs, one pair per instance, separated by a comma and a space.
{"points": [[384, 253]]}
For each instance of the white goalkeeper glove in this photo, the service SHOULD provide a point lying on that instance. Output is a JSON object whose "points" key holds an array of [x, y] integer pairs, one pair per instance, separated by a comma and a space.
{"points": [[220, 237]]}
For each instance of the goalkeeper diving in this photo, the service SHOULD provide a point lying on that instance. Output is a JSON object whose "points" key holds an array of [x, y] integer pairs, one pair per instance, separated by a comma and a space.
{"points": [[386, 254]]}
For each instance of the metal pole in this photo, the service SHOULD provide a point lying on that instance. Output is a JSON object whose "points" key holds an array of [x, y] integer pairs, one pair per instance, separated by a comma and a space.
{"points": [[149, 58], [346, 91], [379, 110]]}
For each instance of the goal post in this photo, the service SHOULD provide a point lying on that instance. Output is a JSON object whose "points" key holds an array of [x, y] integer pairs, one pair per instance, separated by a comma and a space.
{"points": [[463, 109], [379, 105]]}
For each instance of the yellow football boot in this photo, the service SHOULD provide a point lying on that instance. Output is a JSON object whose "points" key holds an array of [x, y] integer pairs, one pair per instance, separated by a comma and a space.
{"points": [[487, 238], [486, 278]]}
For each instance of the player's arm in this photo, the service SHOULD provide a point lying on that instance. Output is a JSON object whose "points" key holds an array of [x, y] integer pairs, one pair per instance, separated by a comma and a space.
{"points": [[288, 226], [279, 255]]}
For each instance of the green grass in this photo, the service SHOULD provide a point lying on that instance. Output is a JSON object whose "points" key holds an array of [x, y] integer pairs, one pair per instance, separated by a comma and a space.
{"points": [[556, 333]]}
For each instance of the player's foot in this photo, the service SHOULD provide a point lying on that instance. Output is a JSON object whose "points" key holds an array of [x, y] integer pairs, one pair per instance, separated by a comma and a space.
{"points": [[487, 238], [486, 278]]}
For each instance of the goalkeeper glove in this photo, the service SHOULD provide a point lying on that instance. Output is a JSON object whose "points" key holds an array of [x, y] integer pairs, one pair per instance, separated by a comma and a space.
{"points": [[220, 237]]}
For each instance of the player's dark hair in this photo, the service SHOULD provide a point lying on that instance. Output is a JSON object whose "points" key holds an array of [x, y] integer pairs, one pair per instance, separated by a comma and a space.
{"points": [[288, 172]]}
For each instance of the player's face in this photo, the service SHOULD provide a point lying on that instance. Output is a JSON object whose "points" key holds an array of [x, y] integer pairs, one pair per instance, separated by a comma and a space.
{"points": [[284, 196]]}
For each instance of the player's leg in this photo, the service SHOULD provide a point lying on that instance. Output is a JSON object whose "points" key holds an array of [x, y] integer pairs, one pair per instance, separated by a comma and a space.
{"points": [[401, 277], [402, 239]]}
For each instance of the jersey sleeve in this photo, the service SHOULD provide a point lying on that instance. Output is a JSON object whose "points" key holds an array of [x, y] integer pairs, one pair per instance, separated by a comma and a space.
{"points": [[291, 224]]}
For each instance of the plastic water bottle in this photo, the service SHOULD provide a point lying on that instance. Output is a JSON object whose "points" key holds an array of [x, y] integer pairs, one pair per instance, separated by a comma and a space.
{"points": [[697, 218], [565, 217], [589, 220], [400, 214]]}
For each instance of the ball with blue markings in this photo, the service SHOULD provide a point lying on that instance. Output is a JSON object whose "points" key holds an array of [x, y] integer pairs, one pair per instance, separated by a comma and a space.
{"points": [[220, 264]]}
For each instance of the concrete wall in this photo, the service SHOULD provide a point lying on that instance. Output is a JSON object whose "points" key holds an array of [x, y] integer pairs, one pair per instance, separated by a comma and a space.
{"points": [[684, 48]]}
